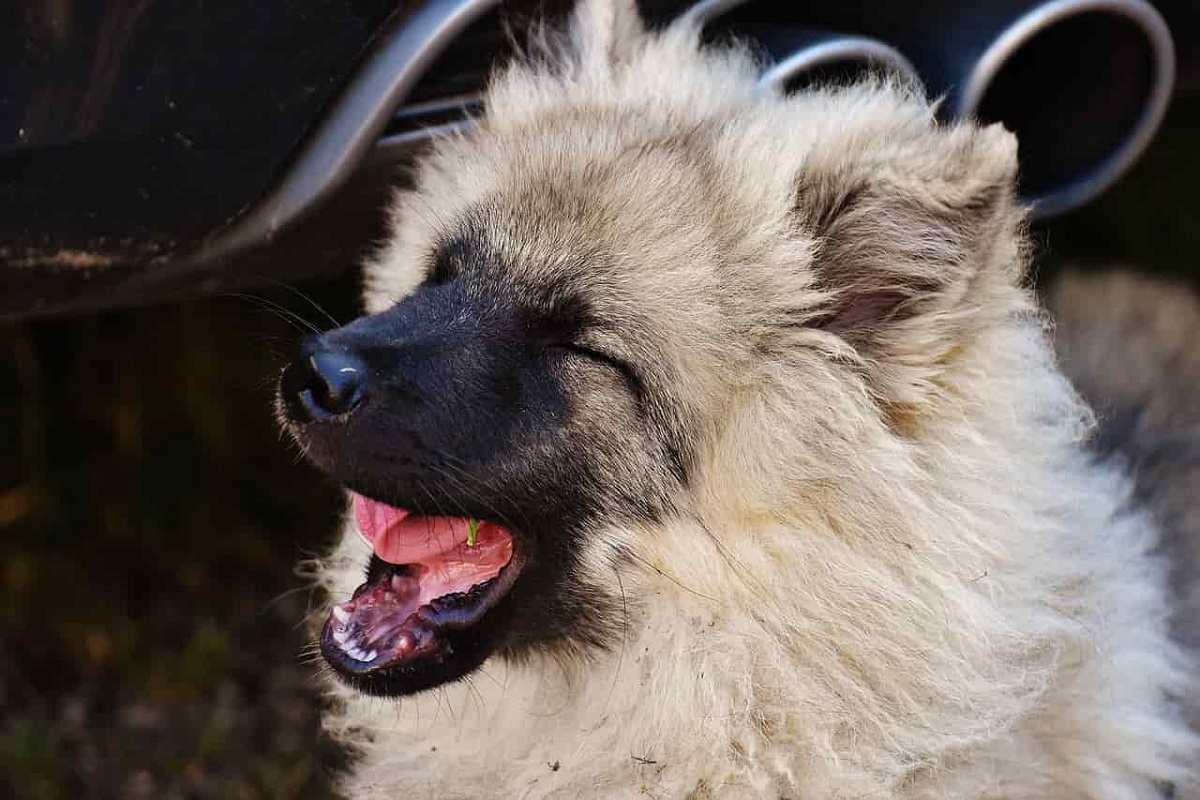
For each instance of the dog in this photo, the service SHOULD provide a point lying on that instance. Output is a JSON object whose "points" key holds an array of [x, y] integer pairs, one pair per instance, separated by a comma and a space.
{"points": [[705, 443]]}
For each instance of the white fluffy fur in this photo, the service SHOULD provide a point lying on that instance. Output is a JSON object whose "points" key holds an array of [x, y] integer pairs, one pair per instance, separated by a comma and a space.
{"points": [[965, 611]]}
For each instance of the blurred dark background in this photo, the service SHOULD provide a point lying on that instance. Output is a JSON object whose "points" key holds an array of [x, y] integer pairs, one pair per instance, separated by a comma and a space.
{"points": [[152, 624]]}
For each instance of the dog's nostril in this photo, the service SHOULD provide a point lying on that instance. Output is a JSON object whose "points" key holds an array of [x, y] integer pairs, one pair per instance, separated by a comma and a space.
{"points": [[324, 384], [338, 383]]}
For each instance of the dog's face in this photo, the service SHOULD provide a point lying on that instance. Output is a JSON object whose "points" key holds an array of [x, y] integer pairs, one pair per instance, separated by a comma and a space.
{"points": [[536, 389], [575, 303]]}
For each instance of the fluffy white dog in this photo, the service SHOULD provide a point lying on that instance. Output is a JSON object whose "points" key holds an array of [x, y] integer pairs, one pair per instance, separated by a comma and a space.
{"points": [[707, 444]]}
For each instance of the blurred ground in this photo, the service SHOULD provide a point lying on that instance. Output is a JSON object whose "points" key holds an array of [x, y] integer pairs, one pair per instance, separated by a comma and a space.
{"points": [[150, 620]]}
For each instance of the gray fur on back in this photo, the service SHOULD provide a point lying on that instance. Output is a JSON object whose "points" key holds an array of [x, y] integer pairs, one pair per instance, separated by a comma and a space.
{"points": [[1131, 344]]}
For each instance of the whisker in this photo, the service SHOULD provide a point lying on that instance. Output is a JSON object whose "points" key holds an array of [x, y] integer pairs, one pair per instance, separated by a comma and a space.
{"points": [[285, 594], [458, 484], [280, 311], [303, 296], [734, 563], [624, 634], [478, 695], [648, 565], [463, 483]]}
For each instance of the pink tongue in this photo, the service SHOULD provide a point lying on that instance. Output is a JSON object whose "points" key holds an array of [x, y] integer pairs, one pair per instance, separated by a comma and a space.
{"points": [[373, 517], [399, 537]]}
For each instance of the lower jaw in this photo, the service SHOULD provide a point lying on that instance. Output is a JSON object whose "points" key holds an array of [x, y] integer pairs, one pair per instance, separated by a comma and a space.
{"points": [[441, 641], [414, 638], [446, 656]]}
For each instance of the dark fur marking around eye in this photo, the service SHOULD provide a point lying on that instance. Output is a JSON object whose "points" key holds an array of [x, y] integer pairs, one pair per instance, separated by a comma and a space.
{"points": [[454, 256], [567, 315], [570, 318], [633, 380]]}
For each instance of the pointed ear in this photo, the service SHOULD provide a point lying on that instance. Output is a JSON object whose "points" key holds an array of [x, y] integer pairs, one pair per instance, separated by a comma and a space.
{"points": [[606, 32], [905, 227], [920, 247]]}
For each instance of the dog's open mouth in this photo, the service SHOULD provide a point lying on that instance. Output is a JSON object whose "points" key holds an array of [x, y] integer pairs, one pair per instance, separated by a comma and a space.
{"points": [[432, 580]]}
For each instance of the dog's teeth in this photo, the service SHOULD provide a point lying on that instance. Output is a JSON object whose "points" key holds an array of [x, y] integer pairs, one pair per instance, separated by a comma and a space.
{"points": [[404, 643], [371, 655], [341, 614]]}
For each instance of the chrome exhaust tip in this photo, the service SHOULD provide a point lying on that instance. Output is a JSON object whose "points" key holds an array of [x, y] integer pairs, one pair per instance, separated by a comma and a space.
{"points": [[1084, 84], [804, 58], [801, 56]]}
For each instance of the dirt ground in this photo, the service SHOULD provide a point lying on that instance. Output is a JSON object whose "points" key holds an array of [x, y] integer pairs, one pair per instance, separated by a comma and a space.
{"points": [[151, 638]]}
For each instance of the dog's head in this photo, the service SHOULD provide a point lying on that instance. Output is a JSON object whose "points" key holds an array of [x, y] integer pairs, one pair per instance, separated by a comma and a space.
{"points": [[639, 290]]}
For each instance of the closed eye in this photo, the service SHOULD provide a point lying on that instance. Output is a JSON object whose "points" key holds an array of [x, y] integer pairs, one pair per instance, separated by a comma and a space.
{"points": [[626, 371]]}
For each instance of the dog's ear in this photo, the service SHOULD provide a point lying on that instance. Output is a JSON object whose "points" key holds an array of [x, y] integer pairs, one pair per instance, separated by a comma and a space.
{"points": [[916, 233], [605, 33], [904, 227]]}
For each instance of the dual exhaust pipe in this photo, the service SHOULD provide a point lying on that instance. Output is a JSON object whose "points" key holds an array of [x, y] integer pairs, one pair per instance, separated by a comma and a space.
{"points": [[1083, 83]]}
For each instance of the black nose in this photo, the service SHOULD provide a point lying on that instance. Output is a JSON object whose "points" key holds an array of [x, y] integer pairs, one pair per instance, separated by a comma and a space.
{"points": [[323, 383]]}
